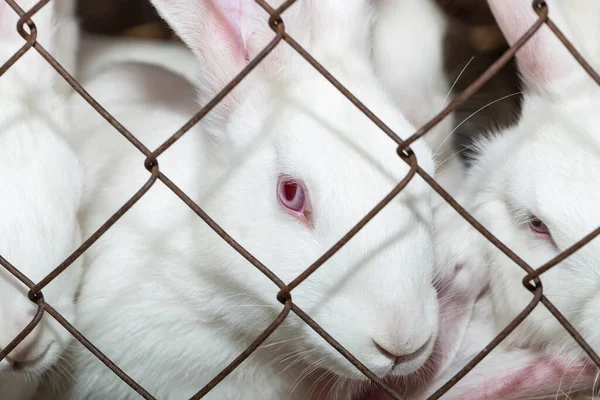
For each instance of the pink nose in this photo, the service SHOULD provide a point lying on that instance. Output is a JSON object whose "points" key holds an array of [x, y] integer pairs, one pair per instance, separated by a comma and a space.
{"points": [[400, 355]]}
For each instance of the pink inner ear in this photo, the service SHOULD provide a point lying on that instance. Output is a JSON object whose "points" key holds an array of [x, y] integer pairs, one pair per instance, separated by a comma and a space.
{"points": [[455, 313], [543, 59], [230, 13]]}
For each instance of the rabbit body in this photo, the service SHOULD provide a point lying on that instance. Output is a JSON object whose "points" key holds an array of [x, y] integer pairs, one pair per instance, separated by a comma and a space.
{"points": [[41, 180], [167, 299]]}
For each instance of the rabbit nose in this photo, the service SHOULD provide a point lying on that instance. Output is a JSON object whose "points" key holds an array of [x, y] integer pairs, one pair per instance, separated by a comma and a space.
{"points": [[400, 355]]}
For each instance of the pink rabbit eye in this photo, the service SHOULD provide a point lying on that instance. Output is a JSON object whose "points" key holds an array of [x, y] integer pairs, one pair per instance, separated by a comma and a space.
{"points": [[538, 227], [292, 196]]}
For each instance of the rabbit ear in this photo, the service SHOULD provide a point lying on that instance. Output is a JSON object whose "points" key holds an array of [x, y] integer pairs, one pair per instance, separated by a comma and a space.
{"points": [[455, 312], [212, 28], [224, 34], [342, 26], [522, 374], [543, 61]]}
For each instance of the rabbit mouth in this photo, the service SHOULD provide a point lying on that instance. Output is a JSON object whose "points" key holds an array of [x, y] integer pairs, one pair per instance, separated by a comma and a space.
{"points": [[328, 384]]}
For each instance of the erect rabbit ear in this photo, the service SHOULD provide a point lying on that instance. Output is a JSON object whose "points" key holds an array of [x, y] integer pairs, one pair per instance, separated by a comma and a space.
{"points": [[342, 26], [543, 61], [43, 20], [225, 35], [217, 30]]}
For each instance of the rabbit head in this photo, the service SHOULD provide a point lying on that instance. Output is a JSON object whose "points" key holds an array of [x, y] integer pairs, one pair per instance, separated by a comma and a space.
{"points": [[41, 184], [307, 166], [533, 187]]}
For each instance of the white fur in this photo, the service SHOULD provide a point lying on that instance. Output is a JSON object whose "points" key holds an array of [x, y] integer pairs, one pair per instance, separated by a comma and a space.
{"points": [[99, 52], [546, 165], [41, 181], [510, 374], [67, 33], [584, 13], [167, 299], [408, 53]]}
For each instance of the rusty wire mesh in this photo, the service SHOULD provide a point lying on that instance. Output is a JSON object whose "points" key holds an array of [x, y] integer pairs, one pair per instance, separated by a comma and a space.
{"points": [[531, 281]]}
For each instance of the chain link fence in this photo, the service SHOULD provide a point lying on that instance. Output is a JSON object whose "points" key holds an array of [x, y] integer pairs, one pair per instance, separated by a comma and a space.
{"points": [[532, 280]]}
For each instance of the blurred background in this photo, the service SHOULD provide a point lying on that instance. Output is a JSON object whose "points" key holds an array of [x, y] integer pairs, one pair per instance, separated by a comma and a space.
{"points": [[473, 39]]}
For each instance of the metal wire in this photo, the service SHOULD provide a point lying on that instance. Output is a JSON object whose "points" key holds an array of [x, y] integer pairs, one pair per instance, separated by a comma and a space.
{"points": [[531, 281]]}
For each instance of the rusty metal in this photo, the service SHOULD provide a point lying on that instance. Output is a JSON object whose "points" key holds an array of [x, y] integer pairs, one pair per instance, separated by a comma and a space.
{"points": [[342, 350], [28, 329], [569, 328], [26, 19], [532, 281], [221, 232], [493, 344], [95, 351], [474, 223], [563, 256], [30, 38], [220, 96], [249, 350], [481, 81], [586, 66], [15, 272], [31, 42], [346, 238], [92, 239]]}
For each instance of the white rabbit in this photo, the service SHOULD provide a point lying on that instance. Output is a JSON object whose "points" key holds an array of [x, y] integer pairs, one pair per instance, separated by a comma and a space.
{"points": [[533, 187], [41, 181], [286, 165], [408, 53]]}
